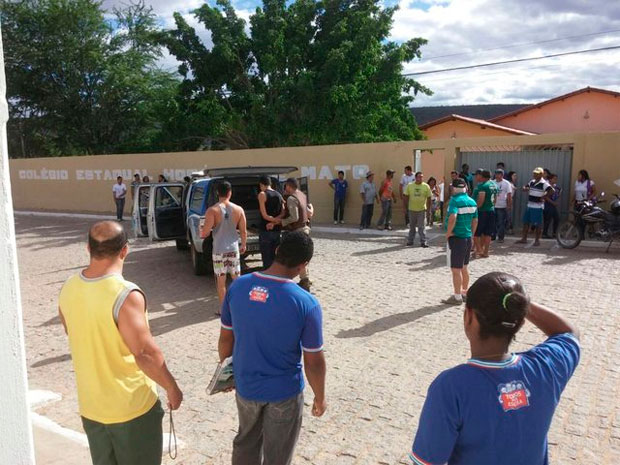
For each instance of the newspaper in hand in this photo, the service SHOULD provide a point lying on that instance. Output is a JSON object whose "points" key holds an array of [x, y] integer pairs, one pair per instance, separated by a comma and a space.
{"points": [[223, 378]]}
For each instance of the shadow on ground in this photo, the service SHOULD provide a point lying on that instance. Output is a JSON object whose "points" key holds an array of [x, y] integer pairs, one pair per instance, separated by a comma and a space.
{"points": [[50, 360], [391, 321], [552, 255]]}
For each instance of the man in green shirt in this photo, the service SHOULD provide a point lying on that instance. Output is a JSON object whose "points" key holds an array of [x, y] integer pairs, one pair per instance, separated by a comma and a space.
{"points": [[462, 219], [484, 195], [418, 198]]}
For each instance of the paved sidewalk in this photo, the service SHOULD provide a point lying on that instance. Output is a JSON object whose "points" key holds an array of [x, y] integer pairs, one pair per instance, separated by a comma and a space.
{"points": [[53, 449], [386, 338]]}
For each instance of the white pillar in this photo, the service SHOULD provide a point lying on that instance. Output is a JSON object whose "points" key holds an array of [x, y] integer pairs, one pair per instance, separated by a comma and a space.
{"points": [[417, 161], [15, 429]]}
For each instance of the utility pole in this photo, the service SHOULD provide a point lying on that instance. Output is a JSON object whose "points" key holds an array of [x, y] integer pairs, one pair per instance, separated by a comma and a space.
{"points": [[15, 428]]}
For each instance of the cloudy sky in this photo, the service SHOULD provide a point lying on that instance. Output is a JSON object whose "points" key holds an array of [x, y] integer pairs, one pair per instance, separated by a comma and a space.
{"points": [[470, 32]]}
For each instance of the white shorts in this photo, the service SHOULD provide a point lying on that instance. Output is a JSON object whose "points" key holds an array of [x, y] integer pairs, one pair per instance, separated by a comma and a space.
{"points": [[226, 263]]}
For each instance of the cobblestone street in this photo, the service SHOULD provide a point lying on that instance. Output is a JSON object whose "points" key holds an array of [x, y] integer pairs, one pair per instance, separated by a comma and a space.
{"points": [[386, 338]]}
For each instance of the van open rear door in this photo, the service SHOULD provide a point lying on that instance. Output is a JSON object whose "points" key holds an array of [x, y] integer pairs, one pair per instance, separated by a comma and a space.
{"points": [[140, 210], [166, 218]]}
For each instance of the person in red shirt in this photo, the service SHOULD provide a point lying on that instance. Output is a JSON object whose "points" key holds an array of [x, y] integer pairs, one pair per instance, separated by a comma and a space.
{"points": [[386, 194]]}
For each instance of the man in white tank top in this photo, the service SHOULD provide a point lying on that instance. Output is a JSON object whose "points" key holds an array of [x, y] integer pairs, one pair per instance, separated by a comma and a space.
{"points": [[224, 219]]}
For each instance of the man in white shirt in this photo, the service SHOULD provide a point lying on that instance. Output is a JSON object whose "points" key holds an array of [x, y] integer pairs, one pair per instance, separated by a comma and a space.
{"points": [[407, 178], [503, 203], [119, 192]]}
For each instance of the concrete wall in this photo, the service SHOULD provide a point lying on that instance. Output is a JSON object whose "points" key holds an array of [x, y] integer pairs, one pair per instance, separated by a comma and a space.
{"points": [[15, 429], [84, 184], [599, 153], [585, 112]]}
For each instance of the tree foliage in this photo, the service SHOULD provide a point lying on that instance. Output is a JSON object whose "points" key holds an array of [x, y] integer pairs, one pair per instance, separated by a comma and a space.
{"points": [[80, 84], [305, 73]]}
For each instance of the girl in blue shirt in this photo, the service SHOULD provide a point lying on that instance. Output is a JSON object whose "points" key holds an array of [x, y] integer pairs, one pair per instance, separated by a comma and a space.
{"points": [[497, 407]]}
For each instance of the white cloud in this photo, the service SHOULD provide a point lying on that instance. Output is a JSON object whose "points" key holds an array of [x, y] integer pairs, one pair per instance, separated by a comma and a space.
{"points": [[482, 31]]}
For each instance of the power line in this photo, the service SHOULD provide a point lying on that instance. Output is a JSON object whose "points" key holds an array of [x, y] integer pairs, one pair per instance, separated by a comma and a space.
{"points": [[518, 60], [520, 45], [489, 72]]}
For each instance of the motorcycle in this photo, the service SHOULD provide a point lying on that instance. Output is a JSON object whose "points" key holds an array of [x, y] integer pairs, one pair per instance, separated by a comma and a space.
{"points": [[590, 222]]}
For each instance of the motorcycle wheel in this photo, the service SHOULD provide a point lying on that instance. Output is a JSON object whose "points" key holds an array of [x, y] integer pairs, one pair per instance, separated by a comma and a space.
{"points": [[569, 235]]}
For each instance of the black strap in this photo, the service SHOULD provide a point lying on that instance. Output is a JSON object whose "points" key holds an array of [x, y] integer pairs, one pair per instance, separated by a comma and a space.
{"points": [[172, 433]]}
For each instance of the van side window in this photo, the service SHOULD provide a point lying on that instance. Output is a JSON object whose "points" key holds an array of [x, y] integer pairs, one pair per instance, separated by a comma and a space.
{"points": [[197, 197], [168, 196]]}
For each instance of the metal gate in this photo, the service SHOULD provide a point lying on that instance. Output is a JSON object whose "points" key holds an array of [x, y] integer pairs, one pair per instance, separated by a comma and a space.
{"points": [[559, 162]]}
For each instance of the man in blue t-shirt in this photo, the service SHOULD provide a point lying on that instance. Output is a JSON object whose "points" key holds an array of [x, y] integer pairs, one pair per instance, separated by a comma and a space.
{"points": [[340, 186], [267, 322]]}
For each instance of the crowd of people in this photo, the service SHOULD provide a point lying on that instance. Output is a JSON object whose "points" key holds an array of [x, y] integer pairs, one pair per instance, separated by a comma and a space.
{"points": [[424, 203], [495, 408], [226, 223]]}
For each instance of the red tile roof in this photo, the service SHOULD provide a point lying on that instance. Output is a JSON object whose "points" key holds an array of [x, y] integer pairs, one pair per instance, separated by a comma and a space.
{"points": [[481, 122]]}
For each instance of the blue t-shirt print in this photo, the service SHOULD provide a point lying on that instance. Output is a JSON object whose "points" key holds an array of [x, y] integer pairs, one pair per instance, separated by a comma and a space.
{"points": [[340, 188], [273, 320], [488, 413]]}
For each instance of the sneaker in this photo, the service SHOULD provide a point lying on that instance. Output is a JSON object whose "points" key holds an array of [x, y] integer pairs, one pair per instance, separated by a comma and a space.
{"points": [[500, 241], [341, 222], [452, 301], [409, 244], [424, 245], [335, 222], [389, 228]]}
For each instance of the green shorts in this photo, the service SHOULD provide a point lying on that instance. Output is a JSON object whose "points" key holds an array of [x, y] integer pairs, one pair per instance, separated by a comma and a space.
{"points": [[135, 442]]}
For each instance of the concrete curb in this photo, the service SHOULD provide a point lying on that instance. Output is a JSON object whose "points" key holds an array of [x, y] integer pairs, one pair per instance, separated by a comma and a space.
{"points": [[63, 214]]}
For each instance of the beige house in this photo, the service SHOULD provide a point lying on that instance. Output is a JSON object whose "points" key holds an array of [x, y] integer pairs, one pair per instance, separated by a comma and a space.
{"points": [[585, 110]]}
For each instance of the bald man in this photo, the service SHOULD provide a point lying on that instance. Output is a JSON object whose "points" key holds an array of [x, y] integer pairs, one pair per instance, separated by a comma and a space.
{"points": [[116, 361]]}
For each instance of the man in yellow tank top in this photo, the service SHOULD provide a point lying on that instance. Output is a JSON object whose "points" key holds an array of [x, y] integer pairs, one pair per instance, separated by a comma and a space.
{"points": [[116, 360]]}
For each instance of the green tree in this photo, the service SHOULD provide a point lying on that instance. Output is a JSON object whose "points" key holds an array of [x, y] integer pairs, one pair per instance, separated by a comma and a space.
{"points": [[79, 84], [307, 73]]}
